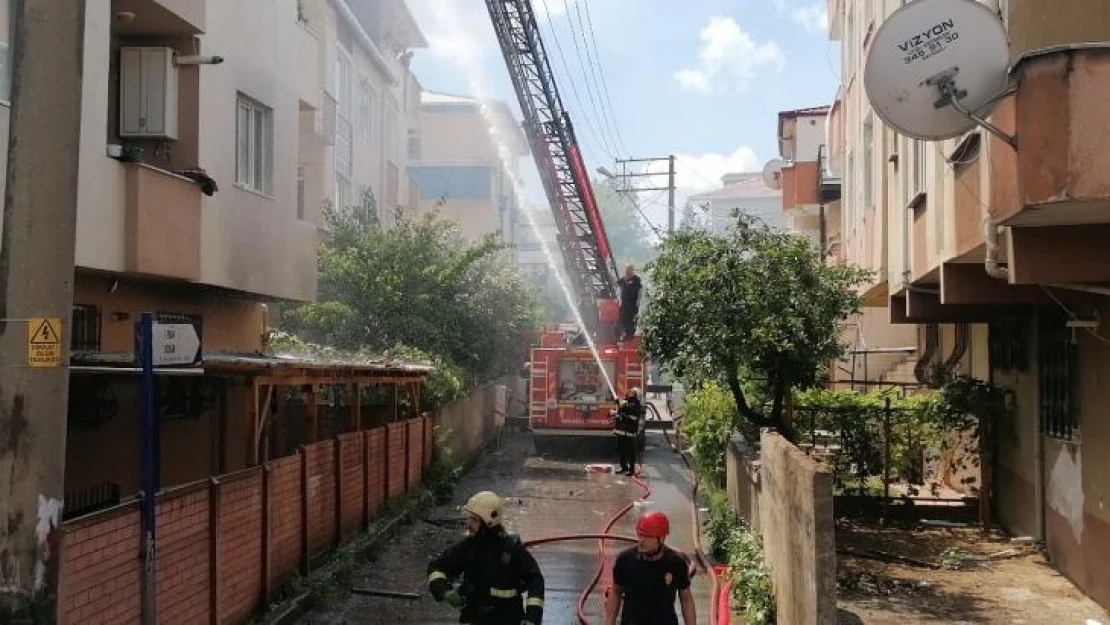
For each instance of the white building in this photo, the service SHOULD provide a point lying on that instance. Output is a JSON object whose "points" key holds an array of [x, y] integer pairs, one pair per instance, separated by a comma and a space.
{"points": [[745, 192]]}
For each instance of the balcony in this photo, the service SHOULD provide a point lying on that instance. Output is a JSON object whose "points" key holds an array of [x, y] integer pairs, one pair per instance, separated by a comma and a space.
{"points": [[828, 181], [1062, 125], [162, 226], [799, 185], [160, 18]]}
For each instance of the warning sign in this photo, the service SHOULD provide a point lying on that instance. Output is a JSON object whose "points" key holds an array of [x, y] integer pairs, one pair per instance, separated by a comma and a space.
{"points": [[44, 342]]}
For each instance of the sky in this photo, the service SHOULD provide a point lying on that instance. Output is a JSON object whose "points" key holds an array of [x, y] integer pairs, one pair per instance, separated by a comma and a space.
{"points": [[701, 79]]}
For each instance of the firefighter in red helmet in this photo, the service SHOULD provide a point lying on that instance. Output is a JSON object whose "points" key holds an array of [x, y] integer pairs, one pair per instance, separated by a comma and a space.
{"points": [[648, 577]]}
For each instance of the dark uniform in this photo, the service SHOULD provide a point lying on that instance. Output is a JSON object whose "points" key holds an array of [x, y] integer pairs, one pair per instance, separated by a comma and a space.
{"points": [[626, 428], [630, 304], [650, 586], [497, 570]]}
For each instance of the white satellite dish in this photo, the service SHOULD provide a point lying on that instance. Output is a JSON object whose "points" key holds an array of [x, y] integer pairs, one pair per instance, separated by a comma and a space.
{"points": [[772, 173], [937, 67]]}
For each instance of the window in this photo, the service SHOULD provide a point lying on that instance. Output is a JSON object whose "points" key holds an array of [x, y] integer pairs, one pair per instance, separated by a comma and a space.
{"points": [[7, 46], [342, 193], [1059, 377], [851, 189], [462, 182], [85, 330], [868, 162], [414, 144], [343, 87], [919, 164], [364, 110], [300, 192], [254, 145]]}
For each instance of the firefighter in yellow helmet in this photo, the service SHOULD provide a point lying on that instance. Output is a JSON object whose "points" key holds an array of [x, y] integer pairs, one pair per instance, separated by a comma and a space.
{"points": [[495, 569], [628, 427]]}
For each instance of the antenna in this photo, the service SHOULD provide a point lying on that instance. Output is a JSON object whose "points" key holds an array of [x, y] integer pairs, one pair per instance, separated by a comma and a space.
{"points": [[936, 68], [772, 173]]}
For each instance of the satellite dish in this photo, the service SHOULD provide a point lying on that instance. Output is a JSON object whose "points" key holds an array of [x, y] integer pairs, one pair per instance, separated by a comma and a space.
{"points": [[936, 67], [772, 173]]}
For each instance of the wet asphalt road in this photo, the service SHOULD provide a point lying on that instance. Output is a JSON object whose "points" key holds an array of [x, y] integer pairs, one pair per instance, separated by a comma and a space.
{"points": [[544, 497]]}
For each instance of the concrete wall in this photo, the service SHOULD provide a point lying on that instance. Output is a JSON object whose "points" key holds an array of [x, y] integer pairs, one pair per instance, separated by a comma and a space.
{"points": [[471, 419], [789, 498]]}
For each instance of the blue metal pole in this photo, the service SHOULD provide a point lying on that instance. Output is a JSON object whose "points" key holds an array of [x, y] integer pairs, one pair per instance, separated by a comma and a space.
{"points": [[149, 479]]}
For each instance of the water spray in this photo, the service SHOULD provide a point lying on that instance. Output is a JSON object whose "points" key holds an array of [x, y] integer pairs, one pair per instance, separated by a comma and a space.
{"points": [[446, 16]]}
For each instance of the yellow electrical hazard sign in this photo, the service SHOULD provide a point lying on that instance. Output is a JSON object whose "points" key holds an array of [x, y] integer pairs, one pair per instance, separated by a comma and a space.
{"points": [[44, 342]]}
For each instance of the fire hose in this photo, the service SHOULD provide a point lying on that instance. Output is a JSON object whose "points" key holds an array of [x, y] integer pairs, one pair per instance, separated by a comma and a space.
{"points": [[718, 594]]}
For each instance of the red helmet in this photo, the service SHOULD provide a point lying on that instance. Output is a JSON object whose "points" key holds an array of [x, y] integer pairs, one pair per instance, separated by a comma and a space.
{"points": [[654, 524]]}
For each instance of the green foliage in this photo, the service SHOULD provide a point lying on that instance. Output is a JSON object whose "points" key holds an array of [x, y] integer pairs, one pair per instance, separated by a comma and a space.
{"points": [[860, 425], [443, 474], [965, 403], [709, 420], [755, 301], [420, 285], [442, 385], [738, 545]]}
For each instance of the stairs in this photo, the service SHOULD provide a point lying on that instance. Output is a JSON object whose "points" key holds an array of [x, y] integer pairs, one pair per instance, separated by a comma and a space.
{"points": [[902, 373]]}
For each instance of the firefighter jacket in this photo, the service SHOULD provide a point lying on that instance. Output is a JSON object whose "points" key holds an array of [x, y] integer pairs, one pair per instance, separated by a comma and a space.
{"points": [[628, 418], [496, 571]]}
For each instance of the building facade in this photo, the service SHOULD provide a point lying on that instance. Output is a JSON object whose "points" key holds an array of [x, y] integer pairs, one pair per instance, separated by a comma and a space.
{"points": [[463, 163], [996, 256], [207, 159], [744, 192]]}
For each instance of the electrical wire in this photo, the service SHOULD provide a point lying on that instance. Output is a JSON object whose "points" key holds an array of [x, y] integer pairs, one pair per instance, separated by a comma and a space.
{"points": [[604, 81], [583, 50]]}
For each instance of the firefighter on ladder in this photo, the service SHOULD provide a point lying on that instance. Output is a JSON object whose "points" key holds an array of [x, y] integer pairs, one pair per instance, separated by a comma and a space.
{"points": [[628, 426], [496, 571]]}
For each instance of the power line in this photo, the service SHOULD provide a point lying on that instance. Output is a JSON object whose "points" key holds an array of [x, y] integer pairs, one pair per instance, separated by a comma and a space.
{"points": [[608, 105], [590, 89]]}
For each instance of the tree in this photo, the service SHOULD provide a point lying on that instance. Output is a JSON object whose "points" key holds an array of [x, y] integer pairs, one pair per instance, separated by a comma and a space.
{"points": [[754, 309], [628, 233], [419, 285]]}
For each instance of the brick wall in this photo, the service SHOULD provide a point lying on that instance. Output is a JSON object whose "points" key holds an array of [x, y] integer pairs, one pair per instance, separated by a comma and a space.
{"points": [[239, 528], [396, 460], [226, 545], [184, 557], [287, 506], [376, 439], [100, 570], [352, 485]]}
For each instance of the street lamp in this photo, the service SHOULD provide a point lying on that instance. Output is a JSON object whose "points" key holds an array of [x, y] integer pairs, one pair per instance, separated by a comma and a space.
{"points": [[605, 172]]}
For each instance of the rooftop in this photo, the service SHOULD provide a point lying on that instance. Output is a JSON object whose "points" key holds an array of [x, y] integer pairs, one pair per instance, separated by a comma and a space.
{"points": [[739, 186]]}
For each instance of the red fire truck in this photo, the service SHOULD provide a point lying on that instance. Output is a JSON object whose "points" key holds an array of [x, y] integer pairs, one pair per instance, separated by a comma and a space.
{"points": [[569, 397]]}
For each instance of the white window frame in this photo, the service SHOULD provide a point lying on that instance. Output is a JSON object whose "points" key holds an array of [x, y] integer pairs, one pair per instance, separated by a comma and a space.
{"points": [[365, 109], [342, 194], [344, 81], [254, 145]]}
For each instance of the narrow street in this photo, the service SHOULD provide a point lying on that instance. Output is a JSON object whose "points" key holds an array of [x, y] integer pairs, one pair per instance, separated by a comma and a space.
{"points": [[544, 497]]}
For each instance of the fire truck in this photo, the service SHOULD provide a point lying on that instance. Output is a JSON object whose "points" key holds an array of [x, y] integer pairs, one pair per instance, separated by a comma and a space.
{"points": [[569, 396]]}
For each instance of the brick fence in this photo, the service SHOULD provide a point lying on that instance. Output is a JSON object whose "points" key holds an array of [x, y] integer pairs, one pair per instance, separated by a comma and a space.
{"points": [[226, 545]]}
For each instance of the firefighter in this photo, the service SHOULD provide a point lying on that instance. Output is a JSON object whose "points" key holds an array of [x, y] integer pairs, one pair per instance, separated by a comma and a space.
{"points": [[630, 286], [647, 578], [628, 426], [496, 571]]}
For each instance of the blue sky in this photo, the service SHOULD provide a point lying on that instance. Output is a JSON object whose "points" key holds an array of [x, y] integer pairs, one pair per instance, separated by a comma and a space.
{"points": [[703, 79]]}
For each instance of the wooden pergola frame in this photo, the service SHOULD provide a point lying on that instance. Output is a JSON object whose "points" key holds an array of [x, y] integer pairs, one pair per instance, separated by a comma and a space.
{"points": [[264, 375]]}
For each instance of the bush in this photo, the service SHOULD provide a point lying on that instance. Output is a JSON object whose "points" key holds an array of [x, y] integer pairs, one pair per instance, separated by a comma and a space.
{"points": [[707, 425], [737, 545]]}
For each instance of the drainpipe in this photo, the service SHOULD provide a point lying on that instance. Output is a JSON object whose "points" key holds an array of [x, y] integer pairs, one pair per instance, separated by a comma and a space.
{"points": [[990, 238], [1038, 439]]}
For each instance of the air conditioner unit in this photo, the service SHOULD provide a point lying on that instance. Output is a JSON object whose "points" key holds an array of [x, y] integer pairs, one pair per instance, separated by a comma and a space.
{"points": [[148, 93]]}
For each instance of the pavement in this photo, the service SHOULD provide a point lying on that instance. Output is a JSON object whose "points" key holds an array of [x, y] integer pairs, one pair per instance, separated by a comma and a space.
{"points": [[544, 496]]}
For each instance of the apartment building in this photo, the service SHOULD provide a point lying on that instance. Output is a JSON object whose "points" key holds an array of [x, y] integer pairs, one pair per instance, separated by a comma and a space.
{"points": [[463, 162], [744, 192], [206, 160], [996, 255]]}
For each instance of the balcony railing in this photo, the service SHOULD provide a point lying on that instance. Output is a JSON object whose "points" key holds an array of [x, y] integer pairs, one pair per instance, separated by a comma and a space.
{"points": [[828, 182]]}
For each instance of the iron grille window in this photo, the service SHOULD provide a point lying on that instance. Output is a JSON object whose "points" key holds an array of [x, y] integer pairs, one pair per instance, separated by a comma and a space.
{"points": [[170, 317], [1058, 376], [1007, 342], [85, 330]]}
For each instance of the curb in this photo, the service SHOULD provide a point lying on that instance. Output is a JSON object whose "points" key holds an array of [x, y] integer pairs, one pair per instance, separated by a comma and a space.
{"points": [[289, 611]]}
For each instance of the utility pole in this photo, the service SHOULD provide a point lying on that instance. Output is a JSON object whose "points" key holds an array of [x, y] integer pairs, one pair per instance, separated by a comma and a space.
{"points": [[36, 300], [670, 188]]}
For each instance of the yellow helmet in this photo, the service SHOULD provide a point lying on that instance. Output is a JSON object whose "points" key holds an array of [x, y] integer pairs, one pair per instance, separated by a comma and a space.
{"points": [[486, 506], [634, 392]]}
